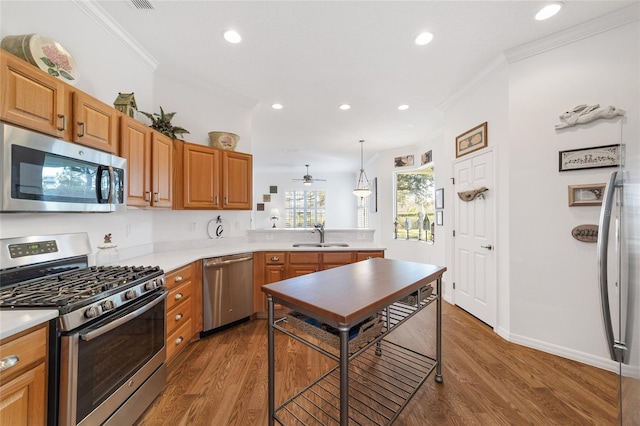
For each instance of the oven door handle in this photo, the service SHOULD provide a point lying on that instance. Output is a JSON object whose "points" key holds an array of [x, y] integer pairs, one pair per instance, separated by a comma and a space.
{"points": [[117, 323]]}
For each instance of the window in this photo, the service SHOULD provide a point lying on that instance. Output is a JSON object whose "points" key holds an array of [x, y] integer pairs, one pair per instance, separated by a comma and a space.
{"points": [[363, 212], [303, 209], [415, 211]]}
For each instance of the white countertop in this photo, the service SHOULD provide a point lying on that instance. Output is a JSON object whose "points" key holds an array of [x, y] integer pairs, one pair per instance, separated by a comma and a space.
{"points": [[15, 321], [173, 259]]}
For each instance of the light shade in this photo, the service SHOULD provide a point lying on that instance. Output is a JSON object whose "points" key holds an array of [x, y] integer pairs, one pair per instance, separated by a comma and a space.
{"points": [[362, 187], [232, 36], [275, 213]]}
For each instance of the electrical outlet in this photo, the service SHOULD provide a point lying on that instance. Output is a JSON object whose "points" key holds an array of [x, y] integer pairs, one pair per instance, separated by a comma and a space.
{"points": [[362, 236], [128, 230], [269, 236], [193, 226]]}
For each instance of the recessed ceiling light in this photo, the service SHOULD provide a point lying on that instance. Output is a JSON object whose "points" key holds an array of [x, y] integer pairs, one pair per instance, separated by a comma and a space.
{"points": [[345, 107], [403, 107], [423, 38], [232, 36], [276, 106], [548, 11]]}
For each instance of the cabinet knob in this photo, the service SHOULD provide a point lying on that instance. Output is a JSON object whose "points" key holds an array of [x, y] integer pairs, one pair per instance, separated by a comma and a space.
{"points": [[179, 340], [178, 296], [275, 258], [178, 317], [156, 197], [147, 196], [178, 278], [81, 125]]}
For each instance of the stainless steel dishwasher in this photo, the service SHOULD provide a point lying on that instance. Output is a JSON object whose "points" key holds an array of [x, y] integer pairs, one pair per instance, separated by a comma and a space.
{"points": [[228, 291]]}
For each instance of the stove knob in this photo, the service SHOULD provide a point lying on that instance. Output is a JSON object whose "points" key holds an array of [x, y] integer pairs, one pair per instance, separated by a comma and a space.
{"points": [[108, 305], [92, 312], [130, 294], [151, 285]]}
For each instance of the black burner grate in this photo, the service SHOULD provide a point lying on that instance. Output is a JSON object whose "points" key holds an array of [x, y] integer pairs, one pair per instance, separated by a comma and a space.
{"points": [[70, 290]]}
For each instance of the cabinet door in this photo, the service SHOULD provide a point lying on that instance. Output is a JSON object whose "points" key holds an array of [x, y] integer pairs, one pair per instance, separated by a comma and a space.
{"points": [[135, 146], [23, 399], [273, 273], [161, 170], [237, 183], [95, 123], [201, 176], [31, 98]]}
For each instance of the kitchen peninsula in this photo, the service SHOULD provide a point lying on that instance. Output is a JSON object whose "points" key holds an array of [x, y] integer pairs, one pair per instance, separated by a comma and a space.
{"points": [[389, 290]]}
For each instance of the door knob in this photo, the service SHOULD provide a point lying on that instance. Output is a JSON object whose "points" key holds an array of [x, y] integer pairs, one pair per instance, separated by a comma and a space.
{"points": [[489, 247]]}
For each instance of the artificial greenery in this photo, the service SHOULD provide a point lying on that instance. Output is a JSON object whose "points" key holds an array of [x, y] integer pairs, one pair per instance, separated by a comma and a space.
{"points": [[162, 123]]}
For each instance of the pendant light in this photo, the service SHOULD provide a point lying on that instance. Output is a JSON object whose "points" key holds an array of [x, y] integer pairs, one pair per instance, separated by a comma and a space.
{"points": [[362, 189]]}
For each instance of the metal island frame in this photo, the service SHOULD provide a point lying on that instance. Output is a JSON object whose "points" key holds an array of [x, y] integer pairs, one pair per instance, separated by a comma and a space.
{"points": [[370, 384]]}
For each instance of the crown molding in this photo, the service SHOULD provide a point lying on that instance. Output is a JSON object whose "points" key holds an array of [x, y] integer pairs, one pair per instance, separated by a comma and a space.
{"points": [[497, 64], [115, 30], [590, 28]]}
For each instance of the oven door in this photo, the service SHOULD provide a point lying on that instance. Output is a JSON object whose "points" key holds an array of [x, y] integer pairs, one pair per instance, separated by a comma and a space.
{"points": [[105, 364]]}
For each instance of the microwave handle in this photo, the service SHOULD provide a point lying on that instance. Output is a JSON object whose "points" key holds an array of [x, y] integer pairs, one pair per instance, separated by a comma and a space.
{"points": [[101, 170]]}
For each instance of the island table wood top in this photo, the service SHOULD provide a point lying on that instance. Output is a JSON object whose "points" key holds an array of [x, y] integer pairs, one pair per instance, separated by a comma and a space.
{"points": [[351, 293]]}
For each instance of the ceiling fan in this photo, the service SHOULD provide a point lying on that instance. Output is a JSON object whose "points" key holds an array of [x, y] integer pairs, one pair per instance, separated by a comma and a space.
{"points": [[308, 179]]}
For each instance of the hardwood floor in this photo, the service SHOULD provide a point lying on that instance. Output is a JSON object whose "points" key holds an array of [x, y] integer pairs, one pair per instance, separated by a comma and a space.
{"points": [[222, 379]]}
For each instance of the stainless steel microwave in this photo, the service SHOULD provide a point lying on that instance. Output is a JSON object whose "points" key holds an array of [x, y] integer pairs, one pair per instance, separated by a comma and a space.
{"points": [[43, 174]]}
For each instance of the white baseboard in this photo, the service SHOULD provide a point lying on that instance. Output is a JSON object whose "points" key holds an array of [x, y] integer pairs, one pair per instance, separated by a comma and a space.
{"points": [[596, 361]]}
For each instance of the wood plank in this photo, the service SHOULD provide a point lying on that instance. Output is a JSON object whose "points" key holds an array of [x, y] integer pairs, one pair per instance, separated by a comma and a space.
{"points": [[222, 379]]}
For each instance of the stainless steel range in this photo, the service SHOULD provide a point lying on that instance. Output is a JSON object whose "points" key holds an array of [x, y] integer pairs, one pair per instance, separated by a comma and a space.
{"points": [[107, 349]]}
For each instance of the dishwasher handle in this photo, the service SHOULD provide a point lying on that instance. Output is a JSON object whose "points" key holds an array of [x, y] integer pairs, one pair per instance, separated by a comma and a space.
{"points": [[212, 263]]}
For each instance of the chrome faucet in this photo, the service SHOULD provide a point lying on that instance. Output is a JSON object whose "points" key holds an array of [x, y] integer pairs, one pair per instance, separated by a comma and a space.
{"points": [[320, 229]]}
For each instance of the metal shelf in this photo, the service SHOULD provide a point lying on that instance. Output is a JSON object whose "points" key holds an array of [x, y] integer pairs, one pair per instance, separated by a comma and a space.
{"points": [[380, 385], [383, 376]]}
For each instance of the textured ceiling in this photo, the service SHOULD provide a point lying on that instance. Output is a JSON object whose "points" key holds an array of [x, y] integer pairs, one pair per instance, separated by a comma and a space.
{"points": [[312, 56]]}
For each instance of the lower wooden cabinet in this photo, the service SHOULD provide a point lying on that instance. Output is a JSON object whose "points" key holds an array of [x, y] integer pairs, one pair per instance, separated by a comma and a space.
{"points": [[184, 307], [23, 387], [270, 267]]}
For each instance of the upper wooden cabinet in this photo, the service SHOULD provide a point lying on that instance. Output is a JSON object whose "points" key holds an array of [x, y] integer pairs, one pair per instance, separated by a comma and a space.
{"points": [[149, 157], [237, 180], [33, 99], [94, 123], [211, 179]]}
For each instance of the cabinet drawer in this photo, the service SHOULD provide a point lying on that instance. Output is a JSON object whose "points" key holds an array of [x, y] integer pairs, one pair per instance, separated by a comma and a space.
{"points": [[178, 315], [274, 258], [338, 257], [178, 294], [28, 349], [178, 339], [304, 257], [179, 276]]}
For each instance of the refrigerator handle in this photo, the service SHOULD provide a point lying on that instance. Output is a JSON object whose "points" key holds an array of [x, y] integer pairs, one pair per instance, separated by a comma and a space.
{"points": [[602, 253]]}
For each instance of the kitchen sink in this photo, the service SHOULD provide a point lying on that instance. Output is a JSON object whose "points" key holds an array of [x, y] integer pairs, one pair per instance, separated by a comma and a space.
{"points": [[321, 245]]}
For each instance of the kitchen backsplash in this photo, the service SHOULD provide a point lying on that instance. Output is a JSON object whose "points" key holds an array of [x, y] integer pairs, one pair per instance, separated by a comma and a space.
{"points": [[279, 235]]}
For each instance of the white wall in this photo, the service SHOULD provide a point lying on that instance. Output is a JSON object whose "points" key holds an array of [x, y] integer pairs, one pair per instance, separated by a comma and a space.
{"points": [[554, 291], [341, 204]]}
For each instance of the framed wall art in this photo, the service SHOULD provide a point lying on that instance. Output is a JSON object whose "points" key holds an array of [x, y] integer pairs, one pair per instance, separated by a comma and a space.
{"points": [[403, 161], [586, 195], [439, 217], [589, 158], [425, 158], [439, 198], [471, 140]]}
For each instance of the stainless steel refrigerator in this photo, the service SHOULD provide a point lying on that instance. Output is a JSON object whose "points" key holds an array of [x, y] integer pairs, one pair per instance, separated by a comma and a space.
{"points": [[619, 277]]}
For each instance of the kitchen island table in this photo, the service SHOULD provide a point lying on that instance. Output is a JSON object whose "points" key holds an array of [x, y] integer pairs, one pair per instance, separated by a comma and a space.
{"points": [[370, 384]]}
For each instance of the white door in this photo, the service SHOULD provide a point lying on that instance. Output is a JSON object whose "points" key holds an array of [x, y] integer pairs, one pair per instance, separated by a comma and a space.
{"points": [[474, 251]]}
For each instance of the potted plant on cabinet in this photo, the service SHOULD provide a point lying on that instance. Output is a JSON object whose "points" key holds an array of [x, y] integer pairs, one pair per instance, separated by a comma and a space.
{"points": [[162, 123]]}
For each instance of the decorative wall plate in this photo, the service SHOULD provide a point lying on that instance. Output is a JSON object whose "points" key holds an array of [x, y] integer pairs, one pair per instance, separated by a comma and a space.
{"points": [[585, 233], [45, 53], [218, 228]]}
